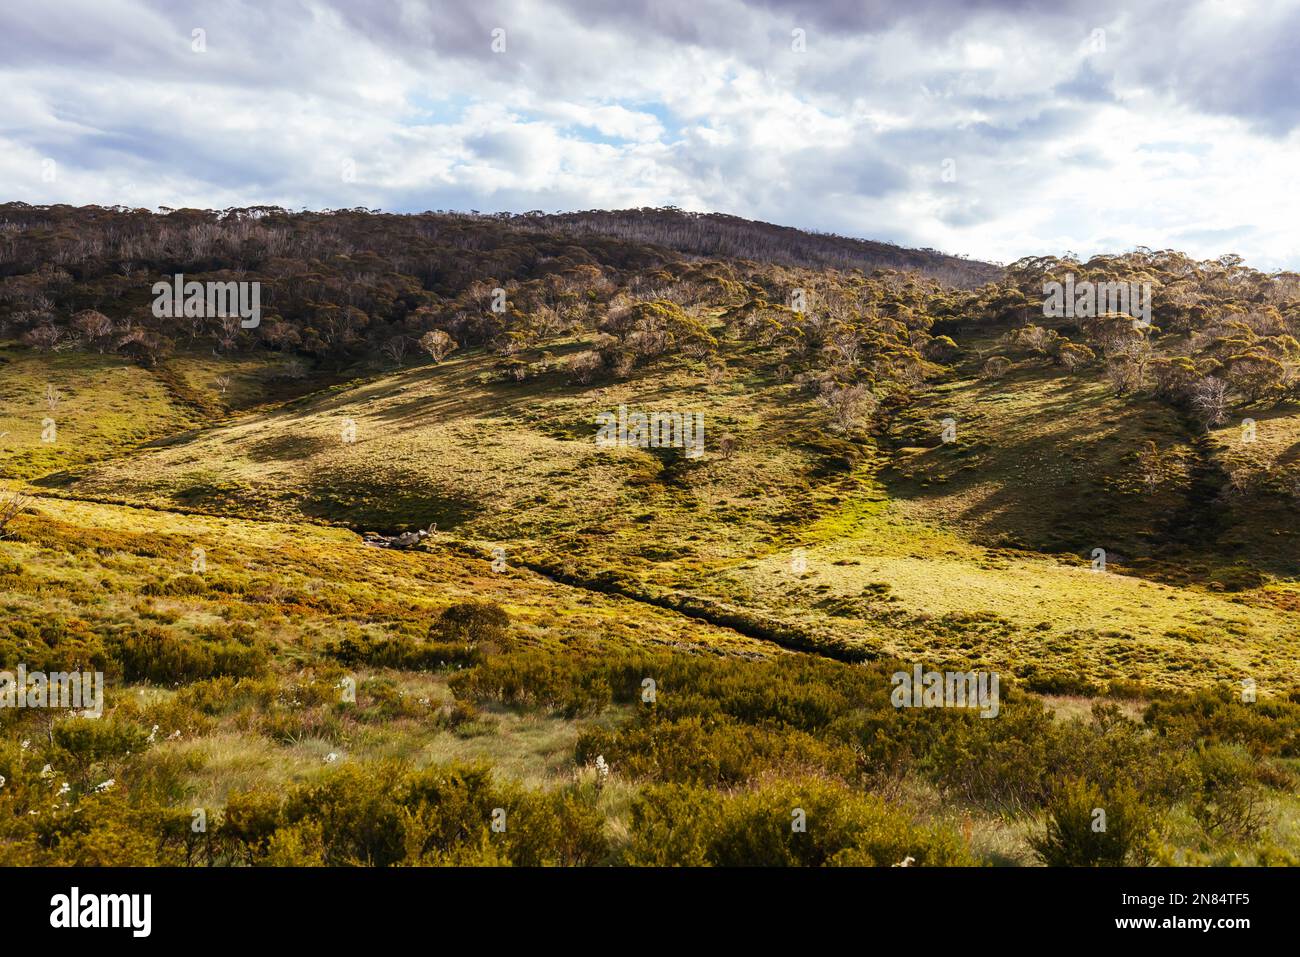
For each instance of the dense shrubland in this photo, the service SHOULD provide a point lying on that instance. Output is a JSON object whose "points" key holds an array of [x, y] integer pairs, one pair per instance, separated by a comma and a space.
{"points": [[348, 285], [1222, 338], [710, 768], [341, 285], [353, 287], [719, 235]]}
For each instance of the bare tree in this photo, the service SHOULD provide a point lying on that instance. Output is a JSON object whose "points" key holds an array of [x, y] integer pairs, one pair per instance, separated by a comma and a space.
{"points": [[850, 406], [96, 327], [1151, 464], [44, 338], [584, 366], [1123, 373], [11, 503], [1209, 398], [395, 349]]}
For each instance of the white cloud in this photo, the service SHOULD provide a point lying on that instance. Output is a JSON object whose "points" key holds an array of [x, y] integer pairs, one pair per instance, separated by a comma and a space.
{"points": [[1056, 144]]}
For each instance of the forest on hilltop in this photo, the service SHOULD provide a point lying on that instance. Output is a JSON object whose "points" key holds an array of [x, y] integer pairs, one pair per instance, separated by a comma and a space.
{"points": [[345, 285]]}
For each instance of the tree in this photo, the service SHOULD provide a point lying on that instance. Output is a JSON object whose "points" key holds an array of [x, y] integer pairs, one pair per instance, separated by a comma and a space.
{"points": [[850, 406], [437, 344], [1209, 400], [395, 349], [1174, 376], [941, 349], [1255, 374], [1033, 339], [1123, 373], [1126, 362], [1073, 356]]}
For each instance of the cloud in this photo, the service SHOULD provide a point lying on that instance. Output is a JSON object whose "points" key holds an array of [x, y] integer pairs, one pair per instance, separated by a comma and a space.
{"points": [[995, 128]]}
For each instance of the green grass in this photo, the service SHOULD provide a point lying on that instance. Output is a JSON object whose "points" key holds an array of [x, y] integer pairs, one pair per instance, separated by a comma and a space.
{"points": [[87, 406], [907, 545], [971, 554]]}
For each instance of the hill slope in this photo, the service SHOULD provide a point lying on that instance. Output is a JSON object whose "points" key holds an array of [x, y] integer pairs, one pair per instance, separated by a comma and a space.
{"points": [[645, 655], [717, 235]]}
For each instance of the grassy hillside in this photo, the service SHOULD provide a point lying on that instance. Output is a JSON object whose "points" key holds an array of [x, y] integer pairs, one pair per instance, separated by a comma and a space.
{"points": [[891, 565], [645, 656]]}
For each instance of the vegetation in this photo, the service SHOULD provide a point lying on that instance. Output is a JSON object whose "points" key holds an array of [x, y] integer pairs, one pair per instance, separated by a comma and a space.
{"points": [[579, 655]]}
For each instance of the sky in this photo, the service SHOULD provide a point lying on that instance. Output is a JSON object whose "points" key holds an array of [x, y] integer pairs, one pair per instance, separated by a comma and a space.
{"points": [[990, 128]]}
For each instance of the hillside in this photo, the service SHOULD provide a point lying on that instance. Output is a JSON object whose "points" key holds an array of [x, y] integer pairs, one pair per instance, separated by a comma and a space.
{"points": [[717, 235], [894, 471], [501, 465]]}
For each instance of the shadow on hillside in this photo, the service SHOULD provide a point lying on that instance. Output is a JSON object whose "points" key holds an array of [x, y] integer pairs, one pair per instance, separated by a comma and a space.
{"points": [[1044, 479], [1063, 477], [401, 504]]}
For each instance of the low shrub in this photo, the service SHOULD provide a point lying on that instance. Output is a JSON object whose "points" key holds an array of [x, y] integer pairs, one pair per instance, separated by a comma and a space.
{"points": [[1088, 829]]}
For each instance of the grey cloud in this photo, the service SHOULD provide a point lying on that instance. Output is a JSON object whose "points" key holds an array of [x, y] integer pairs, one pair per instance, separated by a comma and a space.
{"points": [[324, 79]]}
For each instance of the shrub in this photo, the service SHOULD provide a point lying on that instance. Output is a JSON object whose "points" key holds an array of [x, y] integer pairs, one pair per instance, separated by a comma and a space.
{"points": [[1085, 829], [437, 344], [471, 622], [585, 366], [404, 653], [850, 406], [86, 743], [535, 681], [1266, 727], [675, 825], [380, 815], [716, 753], [1002, 763], [358, 819], [996, 367], [158, 656], [1230, 799]]}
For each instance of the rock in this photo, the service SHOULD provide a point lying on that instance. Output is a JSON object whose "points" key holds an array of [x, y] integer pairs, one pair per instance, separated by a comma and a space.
{"points": [[404, 540]]}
